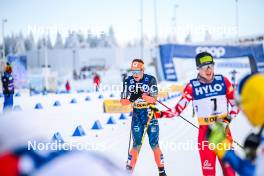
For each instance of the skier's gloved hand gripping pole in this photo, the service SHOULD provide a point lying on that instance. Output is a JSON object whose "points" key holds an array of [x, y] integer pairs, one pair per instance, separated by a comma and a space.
{"points": [[173, 114]]}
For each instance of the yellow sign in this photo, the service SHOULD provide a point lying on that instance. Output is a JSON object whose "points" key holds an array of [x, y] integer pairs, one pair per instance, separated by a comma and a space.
{"points": [[114, 106], [163, 94], [176, 88]]}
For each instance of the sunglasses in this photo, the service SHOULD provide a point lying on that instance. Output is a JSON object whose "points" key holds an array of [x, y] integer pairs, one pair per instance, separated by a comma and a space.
{"points": [[136, 72], [205, 67]]}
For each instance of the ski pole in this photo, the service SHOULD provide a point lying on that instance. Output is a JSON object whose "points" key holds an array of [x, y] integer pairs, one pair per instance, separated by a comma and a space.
{"points": [[189, 122], [179, 115], [238, 144], [163, 105], [129, 143], [146, 129]]}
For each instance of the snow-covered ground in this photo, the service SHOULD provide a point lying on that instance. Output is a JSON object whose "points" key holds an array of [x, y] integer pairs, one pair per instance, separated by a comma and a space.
{"points": [[112, 140]]}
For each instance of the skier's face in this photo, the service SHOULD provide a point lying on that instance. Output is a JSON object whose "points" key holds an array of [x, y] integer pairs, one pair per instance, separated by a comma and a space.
{"points": [[137, 70], [137, 74], [207, 72]]}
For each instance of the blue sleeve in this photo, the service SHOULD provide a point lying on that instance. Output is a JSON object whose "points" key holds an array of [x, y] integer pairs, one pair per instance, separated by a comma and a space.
{"points": [[125, 91], [153, 87], [242, 167], [125, 85]]}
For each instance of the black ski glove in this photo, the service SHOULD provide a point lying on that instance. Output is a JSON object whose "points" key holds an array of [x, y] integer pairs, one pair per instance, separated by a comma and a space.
{"points": [[251, 145], [135, 95]]}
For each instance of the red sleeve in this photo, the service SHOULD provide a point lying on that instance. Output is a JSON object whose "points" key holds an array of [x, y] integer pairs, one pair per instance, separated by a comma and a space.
{"points": [[187, 96], [230, 95], [229, 89]]}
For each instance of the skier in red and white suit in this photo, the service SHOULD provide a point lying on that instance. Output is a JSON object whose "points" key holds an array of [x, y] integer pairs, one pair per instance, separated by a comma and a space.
{"points": [[211, 96]]}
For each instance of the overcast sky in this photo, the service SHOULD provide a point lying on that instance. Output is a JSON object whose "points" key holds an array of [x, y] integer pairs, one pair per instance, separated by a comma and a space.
{"points": [[195, 16]]}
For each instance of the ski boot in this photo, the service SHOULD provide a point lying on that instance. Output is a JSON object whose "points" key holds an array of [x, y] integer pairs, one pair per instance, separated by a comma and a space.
{"points": [[162, 171], [129, 169]]}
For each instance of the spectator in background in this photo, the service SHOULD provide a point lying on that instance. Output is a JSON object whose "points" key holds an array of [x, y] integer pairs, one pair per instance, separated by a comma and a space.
{"points": [[75, 75], [8, 88], [68, 86], [97, 81]]}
